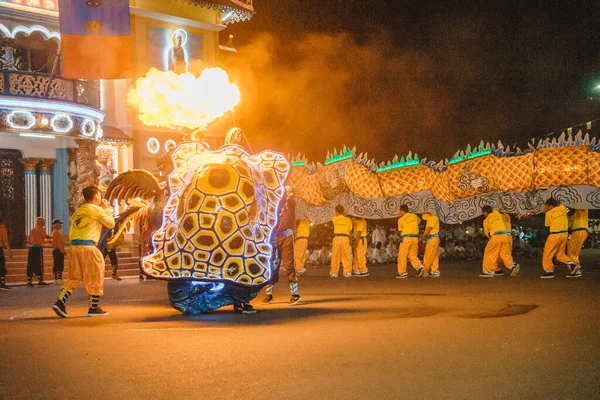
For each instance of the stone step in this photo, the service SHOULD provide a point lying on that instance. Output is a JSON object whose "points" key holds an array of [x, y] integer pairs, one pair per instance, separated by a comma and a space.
{"points": [[124, 271], [48, 267], [22, 255], [50, 261]]}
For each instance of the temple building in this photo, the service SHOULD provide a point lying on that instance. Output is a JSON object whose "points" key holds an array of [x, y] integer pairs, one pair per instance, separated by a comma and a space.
{"points": [[59, 135]]}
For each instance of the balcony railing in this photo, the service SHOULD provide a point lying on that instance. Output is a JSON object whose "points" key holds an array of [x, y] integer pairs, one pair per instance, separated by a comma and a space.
{"points": [[35, 85]]}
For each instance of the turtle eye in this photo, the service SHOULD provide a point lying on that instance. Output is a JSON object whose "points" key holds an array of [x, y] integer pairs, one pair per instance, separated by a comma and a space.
{"points": [[93, 3]]}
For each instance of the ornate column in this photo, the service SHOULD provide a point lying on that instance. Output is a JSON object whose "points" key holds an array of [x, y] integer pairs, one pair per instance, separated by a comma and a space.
{"points": [[86, 171], [46, 191], [30, 192], [60, 187]]}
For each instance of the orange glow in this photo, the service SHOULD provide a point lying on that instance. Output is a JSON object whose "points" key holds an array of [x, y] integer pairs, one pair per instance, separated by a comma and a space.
{"points": [[173, 101], [45, 4]]}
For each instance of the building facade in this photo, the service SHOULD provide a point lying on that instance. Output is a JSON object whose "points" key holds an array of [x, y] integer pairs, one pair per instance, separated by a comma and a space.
{"points": [[58, 135]]}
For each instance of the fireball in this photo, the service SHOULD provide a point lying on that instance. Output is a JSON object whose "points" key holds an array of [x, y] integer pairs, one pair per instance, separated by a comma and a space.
{"points": [[168, 100]]}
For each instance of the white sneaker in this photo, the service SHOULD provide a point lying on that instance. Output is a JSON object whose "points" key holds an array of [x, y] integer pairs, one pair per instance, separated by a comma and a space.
{"points": [[348, 275], [575, 272], [333, 276], [435, 274], [403, 275]]}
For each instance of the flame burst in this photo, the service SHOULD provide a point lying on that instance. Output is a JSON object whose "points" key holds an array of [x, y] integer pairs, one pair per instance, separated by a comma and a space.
{"points": [[173, 101]]}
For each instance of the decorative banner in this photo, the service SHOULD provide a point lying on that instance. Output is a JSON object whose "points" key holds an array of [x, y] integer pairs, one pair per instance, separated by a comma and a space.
{"points": [[95, 39]]}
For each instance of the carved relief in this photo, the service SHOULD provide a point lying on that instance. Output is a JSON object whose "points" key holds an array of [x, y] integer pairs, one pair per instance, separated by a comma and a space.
{"points": [[83, 170]]}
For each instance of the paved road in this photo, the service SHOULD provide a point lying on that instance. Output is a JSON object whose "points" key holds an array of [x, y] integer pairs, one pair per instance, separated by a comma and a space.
{"points": [[456, 337]]}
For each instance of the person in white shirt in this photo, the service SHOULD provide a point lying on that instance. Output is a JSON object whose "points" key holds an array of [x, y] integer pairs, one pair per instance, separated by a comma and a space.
{"points": [[378, 237]]}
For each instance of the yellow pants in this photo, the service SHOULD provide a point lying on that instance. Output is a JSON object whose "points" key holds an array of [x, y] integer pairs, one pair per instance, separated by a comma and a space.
{"points": [[497, 250], [574, 245], [409, 248], [340, 250], [555, 247], [431, 260], [87, 266], [300, 246], [360, 256]]}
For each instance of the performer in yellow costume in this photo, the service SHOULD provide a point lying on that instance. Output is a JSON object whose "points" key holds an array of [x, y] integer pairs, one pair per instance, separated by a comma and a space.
{"points": [[431, 235], [359, 268], [301, 245], [340, 247], [579, 233], [508, 227], [87, 262], [408, 226], [498, 248], [557, 220]]}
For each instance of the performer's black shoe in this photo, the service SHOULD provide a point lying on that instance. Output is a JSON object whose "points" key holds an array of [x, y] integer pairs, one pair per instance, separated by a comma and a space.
{"points": [[268, 299], [547, 275], [294, 300], [60, 309], [420, 271], [514, 271], [29, 283], [4, 287], [97, 312], [499, 273], [244, 308], [141, 278], [42, 283], [116, 277]]}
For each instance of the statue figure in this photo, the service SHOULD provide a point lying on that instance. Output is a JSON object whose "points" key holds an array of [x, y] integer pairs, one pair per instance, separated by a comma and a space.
{"points": [[177, 55]]}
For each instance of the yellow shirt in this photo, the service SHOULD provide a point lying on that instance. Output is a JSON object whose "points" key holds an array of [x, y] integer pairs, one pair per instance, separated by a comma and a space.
{"points": [[408, 224], [506, 220], [580, 220], [433, 222], [87, 222], [493, 223], [342, 225], [303, 228], [360, 225], [557, 219]]}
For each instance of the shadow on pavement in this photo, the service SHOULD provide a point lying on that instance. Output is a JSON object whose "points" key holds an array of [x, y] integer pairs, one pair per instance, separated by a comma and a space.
{"points": [[264, 316], [508, 311]]}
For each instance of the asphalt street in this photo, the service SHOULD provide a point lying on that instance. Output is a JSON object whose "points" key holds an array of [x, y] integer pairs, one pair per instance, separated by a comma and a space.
{"points": [[454, 337]]}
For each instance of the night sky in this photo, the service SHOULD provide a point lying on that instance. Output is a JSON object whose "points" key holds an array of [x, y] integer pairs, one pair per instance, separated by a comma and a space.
{"points": [[429, 76]]}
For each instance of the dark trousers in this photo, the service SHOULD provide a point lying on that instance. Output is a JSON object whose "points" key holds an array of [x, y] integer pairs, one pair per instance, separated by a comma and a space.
{"points": [[285, 247], [35, 262], [114, 260], [2, 264], [59, 261]]}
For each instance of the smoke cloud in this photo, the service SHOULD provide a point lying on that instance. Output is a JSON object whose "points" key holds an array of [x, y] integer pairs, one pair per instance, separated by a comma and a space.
{"points": [[465, 82], [326, 91]]}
